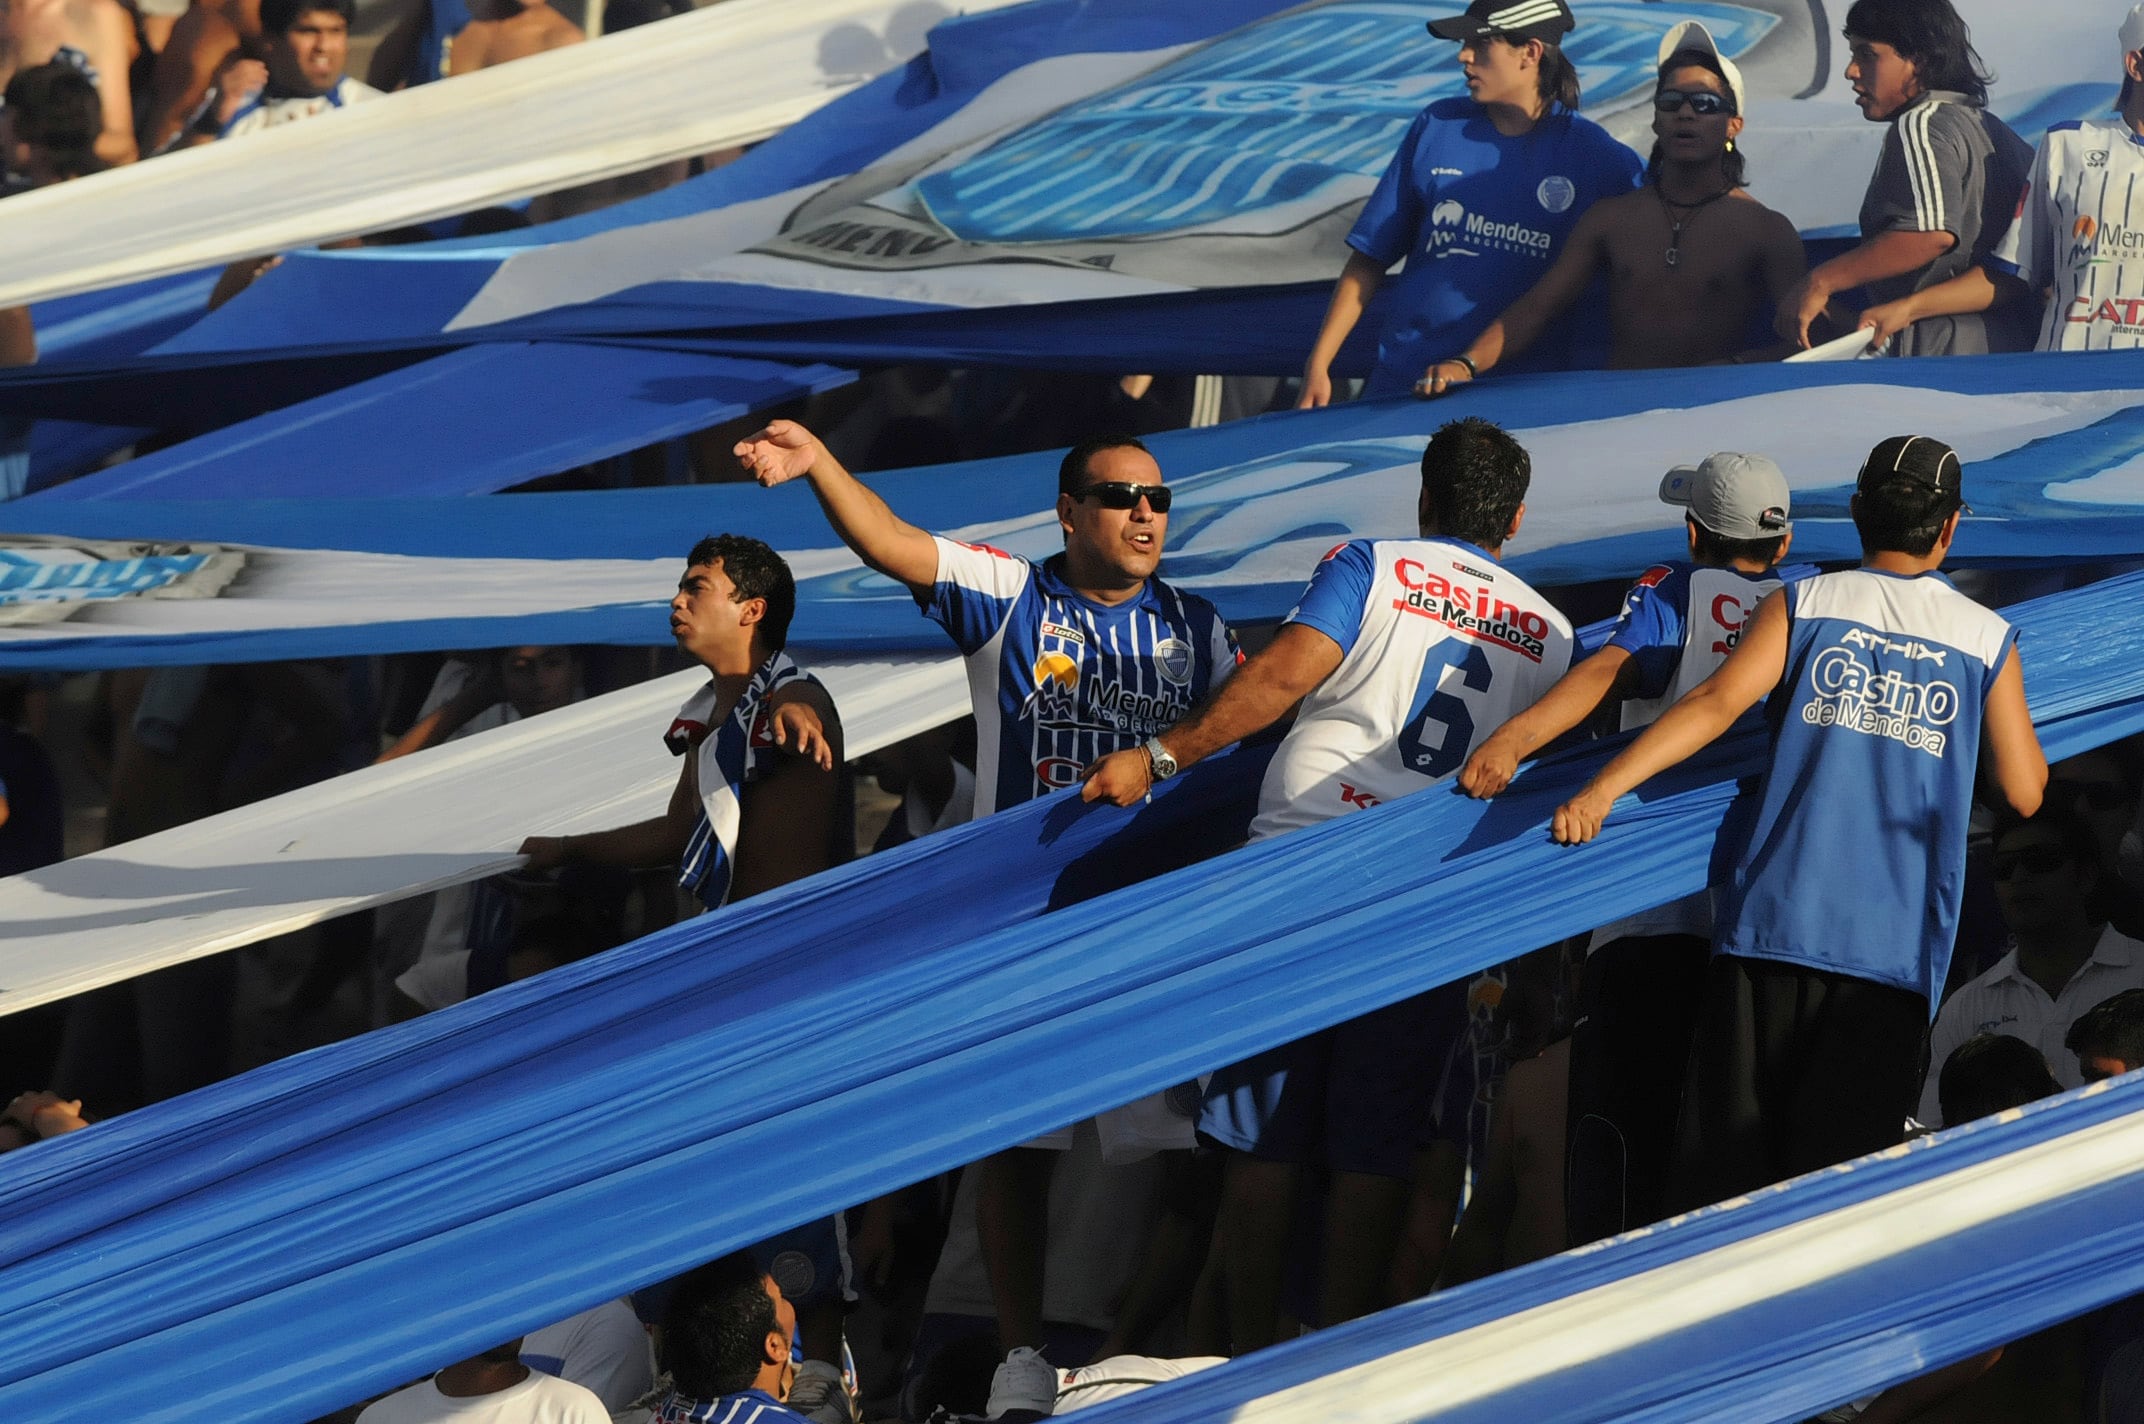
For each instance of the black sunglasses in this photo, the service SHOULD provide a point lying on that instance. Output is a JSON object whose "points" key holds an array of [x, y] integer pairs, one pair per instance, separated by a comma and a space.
{"points": [[1703, 102], [2040, 860], [1123, 494]]}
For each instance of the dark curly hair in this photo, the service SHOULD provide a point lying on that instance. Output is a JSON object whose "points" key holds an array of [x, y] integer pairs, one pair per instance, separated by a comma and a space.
{"points": [[1932, 35], [1475, 477], [716, 1325], [757, 572]]}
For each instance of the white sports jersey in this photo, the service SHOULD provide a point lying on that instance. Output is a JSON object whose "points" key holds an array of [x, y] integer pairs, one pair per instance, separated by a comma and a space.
{"points": [[267, 112], [2080, 230], [1441, 645]]}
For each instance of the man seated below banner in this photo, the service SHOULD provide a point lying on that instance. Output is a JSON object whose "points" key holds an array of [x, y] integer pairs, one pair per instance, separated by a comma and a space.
{"points": [[1638, 998], [1884, 685], [1694, 263], [2066, 957], [1085, 653], [1481, 196], [1400, 652], [1947, 181], [2075, 233], [308, 42]]}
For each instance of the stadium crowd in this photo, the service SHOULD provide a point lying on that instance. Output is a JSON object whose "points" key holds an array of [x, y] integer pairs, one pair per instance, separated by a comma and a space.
{"points": [[1693, 1052]]}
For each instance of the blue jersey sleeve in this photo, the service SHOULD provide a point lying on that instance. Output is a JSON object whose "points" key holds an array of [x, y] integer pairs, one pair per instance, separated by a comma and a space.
{"points": [[1652, 629], [1339, 591], [1391, 219], [975, 592]]}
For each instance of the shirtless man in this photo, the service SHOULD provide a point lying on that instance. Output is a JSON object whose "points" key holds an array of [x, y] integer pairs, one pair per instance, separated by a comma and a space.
{"points": [[207, 37], [1692, 259], [97, 37], [503, 30]]}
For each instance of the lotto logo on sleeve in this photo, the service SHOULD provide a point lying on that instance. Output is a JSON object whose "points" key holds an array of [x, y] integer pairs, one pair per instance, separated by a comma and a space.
{"points": [[1474, 611], [1857, 696]]}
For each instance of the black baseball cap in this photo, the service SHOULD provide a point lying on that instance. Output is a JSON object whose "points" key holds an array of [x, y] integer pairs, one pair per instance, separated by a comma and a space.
{"points": [[1919, 462], [1544, 20]]}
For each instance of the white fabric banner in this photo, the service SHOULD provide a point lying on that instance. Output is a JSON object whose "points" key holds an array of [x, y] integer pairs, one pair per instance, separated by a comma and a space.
{"points": [[619, 104], [451, 814]]}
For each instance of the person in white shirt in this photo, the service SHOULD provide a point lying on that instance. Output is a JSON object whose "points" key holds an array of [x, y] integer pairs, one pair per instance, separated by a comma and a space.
{"points": [[491, 1388], [2078, 233], [308, 45], [1402, 652], [2067, 958]]}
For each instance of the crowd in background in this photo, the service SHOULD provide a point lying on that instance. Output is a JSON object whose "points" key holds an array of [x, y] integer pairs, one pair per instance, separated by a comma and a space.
{"points": [[1538, 1105]]}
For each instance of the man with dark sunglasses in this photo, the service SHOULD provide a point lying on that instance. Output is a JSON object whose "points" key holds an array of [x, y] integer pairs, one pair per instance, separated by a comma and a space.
{"points": [[2066, 957], [1694, 263], [1081, 655]]}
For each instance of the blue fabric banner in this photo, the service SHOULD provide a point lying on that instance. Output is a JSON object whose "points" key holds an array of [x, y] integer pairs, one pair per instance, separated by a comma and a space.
{"points": [[343, 1220], [2053, 447]]}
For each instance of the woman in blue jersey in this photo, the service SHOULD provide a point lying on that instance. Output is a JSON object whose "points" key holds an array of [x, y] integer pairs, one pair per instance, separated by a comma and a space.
{"points": [[1478, 200]]}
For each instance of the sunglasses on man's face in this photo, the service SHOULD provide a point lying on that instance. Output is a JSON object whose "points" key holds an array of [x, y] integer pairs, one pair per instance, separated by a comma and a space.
{"points": [[1703, 102], [2039, 860], [1123, 494]]}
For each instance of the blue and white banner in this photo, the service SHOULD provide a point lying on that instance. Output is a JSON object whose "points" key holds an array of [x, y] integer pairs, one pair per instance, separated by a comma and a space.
{"points": [[1061, 154], [2054, 451]]}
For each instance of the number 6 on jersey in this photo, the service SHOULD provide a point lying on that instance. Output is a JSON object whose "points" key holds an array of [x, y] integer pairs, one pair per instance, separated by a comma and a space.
{"points": [[1443, 710]]}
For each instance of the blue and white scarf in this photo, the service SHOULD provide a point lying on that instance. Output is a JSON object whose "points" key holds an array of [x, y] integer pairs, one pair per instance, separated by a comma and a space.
{"points": [[730, 755]]}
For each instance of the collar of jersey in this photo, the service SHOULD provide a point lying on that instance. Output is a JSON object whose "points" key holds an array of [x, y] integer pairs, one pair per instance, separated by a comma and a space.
{"points": [[1052, 573], [1935, 96], [1463, 544]]}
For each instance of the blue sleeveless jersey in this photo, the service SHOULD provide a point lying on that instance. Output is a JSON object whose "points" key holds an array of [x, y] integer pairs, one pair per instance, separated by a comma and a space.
{"points": [[1857, 856], [1059, 681]]}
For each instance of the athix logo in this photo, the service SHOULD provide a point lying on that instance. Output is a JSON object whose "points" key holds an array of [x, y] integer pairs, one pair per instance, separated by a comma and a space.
{"points": [[1880, 702], [1912, 648], [1470, 610]]}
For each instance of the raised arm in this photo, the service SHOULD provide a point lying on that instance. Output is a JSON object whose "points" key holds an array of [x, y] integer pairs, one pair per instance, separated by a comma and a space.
{"points": [[1521, 323], [1260, 694], [1751, 670], [1359, 281], [785, 450], [1608, 675], [2016, 764]]}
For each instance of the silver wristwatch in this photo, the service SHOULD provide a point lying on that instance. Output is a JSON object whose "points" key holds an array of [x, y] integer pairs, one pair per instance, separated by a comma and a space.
{"points": [[1158, 760]]}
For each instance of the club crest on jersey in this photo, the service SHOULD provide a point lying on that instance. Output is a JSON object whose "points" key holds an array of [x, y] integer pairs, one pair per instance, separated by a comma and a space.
{"points": [[1473, 611], [1173, 660]]}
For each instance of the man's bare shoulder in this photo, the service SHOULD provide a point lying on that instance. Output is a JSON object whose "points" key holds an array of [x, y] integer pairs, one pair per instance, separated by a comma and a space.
{"points": [[1748, 208]]}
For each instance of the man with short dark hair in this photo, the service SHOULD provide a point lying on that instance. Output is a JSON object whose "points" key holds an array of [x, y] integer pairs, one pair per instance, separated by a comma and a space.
{"points": [[1945, 187], [758, 800], [1888, 682], [727, 1346], [1401, 652], [308, 43], [1991, 1073], [95, 39], [1083, 654], [2065, 957], [491, 1388], [1644, 975], [2108, 1038]]}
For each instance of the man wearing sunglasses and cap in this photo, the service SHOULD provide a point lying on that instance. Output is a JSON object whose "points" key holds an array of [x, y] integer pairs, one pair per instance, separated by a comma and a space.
{"points": [[1834, 933], [1081, 655], [1480, 197], [1693, 262]]}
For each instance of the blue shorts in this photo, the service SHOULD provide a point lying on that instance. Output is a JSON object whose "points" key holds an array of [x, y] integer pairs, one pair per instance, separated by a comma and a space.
{"points": [[1357, 1097]]}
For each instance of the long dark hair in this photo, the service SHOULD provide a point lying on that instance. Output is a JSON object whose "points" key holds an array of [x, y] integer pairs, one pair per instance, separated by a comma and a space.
{"points": [[1931, 34], [1557, 77]]}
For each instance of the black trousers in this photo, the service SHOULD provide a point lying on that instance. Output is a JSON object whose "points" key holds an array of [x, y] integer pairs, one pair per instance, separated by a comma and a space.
{"points": [[1630, 1048], [1792, 1069]]}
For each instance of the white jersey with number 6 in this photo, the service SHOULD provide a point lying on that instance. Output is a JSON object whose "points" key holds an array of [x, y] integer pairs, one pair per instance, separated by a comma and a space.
{"points": [[1440, 645]]}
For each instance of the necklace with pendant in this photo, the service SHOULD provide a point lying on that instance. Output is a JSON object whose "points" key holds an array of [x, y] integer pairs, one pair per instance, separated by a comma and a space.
{"points": [[1676, 224]]}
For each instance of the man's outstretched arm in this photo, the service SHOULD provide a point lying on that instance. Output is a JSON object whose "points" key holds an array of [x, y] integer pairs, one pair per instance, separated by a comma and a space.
{"points": [[1260, 694], [785, 451], [1581, 692], [1751, 670]]}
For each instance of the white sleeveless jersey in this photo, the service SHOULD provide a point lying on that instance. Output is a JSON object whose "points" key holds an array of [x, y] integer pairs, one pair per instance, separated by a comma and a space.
{"points": [[1441, 645]]}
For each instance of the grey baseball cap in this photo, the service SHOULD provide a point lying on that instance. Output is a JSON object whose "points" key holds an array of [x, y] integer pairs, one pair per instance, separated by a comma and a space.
{"points": [[1735, 496]]}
